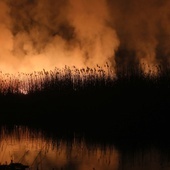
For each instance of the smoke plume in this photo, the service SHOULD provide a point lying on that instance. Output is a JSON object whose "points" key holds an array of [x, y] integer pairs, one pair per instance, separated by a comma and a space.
{"points": [[43, 34], [143, 28]]}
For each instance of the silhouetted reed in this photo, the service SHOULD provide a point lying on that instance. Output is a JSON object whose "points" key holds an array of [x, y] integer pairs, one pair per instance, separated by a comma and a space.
{"points": [[58, 79], [127, 99]]}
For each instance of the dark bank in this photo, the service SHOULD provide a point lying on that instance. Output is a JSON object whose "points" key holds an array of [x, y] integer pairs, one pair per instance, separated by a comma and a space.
{"points": [[131, 105]]}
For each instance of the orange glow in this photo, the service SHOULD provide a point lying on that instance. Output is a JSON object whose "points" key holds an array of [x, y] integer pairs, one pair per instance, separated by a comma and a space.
{"points": [[87, 47], [26, 82], [33, 149], [41, 35]]}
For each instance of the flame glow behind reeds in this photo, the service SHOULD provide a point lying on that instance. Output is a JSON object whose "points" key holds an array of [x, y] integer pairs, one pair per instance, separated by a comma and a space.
{"points": [[37, 34], [37, 81]]}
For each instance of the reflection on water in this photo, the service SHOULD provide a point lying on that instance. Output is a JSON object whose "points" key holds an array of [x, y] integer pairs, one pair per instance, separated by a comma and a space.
{"points": [[149, 159], [32, 148]]}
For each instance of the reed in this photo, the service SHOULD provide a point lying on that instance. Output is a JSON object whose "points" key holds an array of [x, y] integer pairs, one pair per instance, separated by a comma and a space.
{"points": [[76, 79], [94, 100]]}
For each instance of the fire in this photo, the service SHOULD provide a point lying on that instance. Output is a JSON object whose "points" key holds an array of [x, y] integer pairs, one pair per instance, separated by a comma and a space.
{"points": [[37, 35], [36, 81]]}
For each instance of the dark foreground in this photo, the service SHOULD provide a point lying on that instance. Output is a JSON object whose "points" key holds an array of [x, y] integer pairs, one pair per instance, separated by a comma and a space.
{"points": [[14, 166], [134, 107]]}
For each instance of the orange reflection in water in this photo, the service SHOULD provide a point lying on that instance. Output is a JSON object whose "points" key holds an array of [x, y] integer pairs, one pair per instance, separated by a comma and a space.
{"points": [[32, 148]]}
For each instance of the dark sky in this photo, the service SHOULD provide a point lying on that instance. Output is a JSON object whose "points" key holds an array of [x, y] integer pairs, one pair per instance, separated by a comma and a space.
{"points": [[38, 34]]}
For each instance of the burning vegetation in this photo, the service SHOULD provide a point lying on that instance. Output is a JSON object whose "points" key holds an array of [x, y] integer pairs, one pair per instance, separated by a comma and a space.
{"points": [[128, 101], [76, 79]]}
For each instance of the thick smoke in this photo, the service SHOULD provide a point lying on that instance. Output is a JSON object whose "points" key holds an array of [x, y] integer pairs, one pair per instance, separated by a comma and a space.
{"points": [[143, 28], [37, 34], [46, 34]]}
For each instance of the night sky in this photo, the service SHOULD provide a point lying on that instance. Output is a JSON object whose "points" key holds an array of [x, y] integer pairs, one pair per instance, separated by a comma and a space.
{"points": [[37, 34]]}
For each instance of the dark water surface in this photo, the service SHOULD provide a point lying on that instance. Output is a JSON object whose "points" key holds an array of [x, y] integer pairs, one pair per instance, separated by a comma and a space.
{"points": [[41, 151]]}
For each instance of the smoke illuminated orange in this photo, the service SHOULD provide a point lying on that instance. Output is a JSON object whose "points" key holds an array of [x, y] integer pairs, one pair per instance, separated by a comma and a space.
{"points": [[33, 149], [43, 34]]}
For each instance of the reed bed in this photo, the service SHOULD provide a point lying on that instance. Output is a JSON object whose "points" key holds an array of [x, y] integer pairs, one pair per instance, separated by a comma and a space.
{"points": [[58, 78], [76, 79], [94, 100]]}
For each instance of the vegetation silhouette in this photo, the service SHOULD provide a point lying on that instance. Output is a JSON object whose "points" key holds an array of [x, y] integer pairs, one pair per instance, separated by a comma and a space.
{"points": [[89, 101]]}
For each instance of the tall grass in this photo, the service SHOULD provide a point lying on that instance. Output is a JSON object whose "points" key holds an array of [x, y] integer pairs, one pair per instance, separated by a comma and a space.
{"points": [[76, 79], [57, 79], [94, 100]]}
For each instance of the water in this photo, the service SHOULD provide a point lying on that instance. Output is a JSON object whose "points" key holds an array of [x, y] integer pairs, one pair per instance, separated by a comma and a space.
{"points": [[34, 148]]}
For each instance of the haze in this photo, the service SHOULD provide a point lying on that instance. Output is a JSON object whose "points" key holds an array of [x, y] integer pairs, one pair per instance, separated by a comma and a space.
{"points": [[43, 34]]}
